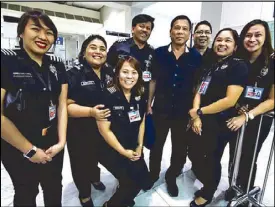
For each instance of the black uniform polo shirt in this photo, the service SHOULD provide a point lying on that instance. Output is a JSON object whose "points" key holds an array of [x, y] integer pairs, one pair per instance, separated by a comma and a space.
{"points": [[261, 75], [125, 131], [174, 81], [230, 71], [85, 87], [126, 47], [27, 99]]}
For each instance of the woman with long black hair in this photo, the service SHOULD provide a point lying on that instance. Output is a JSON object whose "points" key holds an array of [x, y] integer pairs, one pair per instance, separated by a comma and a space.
{"points": [[257, 98]]}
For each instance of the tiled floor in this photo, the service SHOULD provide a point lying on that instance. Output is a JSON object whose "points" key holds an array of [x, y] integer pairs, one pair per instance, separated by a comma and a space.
{"points": [[157, 196]]}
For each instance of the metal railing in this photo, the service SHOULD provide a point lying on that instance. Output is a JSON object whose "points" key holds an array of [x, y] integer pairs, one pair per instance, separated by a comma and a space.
{"points": [[254, 196]]}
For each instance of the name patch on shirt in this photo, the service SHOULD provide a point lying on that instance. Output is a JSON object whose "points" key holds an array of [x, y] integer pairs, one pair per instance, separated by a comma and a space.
{"points": [[21, 75], [86, 83], [118, 107]]}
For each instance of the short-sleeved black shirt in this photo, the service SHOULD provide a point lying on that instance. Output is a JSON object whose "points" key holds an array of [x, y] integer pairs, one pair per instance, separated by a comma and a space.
{"points": [[126, 47], [27, 99], [230, 71], [125, 131], [174, 81], [261, 76], [86, 89]]}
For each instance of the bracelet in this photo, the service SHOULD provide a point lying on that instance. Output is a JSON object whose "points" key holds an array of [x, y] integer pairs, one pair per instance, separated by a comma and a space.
{"points": [[246, 117], [90, 112]]}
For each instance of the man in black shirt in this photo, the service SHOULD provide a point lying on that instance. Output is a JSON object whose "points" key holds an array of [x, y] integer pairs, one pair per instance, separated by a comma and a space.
{"points": [[172, 86], [202, 37], [137, 46]]}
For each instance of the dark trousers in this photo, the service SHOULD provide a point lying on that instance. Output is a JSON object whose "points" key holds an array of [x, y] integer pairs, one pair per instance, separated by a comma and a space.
{"points": [[83, 145], [206, 152], [249, 142], [179, 145], [26, 177], [131, 175]]}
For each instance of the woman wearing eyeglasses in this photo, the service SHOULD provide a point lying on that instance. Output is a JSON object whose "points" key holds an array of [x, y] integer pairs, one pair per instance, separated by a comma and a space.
{"points": [[87, 82], [257, 98]]}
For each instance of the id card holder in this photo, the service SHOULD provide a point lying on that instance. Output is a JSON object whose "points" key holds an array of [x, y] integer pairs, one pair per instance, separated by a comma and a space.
{"points": [[146, 76], [204, 85], [254, 92], [52, 111], [134, 116]]}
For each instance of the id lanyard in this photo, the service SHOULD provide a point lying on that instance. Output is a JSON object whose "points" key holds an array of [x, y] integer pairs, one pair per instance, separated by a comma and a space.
{"points": [[47, 86]]}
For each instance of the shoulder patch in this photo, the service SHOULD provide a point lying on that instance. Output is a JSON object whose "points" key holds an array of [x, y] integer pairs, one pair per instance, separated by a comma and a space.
{"points": [[77, 64], [54, 58], [8, 52], [122, 40], [272, 56], [111, 89]]}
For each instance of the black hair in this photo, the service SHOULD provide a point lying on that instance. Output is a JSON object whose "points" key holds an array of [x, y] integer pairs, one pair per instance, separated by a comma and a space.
{"points": [[212, 57], [233, 32], [183, 17], [86, 43], [35, 16], [204, 22], [267, 49], [142, 18]]}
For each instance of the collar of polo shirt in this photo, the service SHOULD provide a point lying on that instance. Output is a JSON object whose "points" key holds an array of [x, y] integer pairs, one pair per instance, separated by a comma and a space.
{"points": [[170, 48]]}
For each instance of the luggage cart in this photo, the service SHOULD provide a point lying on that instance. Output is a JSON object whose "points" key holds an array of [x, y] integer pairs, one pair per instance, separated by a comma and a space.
{"points": [[254, 196]]}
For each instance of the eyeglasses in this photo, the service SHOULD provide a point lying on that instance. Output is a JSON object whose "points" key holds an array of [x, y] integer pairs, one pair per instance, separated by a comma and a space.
{"points": [[200, 32]]}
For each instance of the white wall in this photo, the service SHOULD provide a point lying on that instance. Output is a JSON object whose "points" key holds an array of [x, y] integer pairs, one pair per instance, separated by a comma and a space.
{"points": [[237, 14]]}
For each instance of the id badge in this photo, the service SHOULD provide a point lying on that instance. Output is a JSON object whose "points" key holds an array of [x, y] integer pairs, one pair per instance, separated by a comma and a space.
{"points": [[204, 85], [52, 112], [253, 92], [146, 76], [134, 116]]}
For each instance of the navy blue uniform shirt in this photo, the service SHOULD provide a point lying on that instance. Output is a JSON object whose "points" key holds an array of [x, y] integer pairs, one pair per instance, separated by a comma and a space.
{"points": [[125, 130], [27, 98], [230, 71], [86, 89], [261, 76], [174, 81], [126, 47]]}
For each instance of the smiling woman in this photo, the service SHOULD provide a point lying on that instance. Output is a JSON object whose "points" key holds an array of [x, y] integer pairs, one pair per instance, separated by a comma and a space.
{"points": [[33, 112], [36, 34], [220, 87], [123, 131], [87, 83]]}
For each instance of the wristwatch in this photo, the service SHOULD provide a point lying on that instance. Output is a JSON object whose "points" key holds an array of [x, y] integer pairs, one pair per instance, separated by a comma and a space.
{"points": [[199, 112], [251, 116], [30, 153]]}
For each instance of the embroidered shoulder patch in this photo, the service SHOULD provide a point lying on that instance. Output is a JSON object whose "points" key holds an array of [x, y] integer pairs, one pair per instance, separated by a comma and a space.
{"points": [[111, 89]]}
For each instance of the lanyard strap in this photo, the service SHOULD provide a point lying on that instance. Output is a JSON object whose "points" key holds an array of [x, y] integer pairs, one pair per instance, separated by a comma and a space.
{"points": [[49, 85]]}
